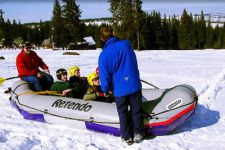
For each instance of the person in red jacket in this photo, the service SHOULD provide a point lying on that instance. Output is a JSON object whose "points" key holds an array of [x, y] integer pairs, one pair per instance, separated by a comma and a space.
{"points": [[28, 64]]}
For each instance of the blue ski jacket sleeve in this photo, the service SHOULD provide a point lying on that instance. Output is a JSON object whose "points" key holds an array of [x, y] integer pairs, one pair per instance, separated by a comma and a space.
{"points": [[118, 68]]}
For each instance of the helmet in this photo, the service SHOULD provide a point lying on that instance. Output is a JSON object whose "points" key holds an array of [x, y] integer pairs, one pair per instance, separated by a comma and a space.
{"points": [[59, 72], [72, 69], [90, 78], [97, 70]]}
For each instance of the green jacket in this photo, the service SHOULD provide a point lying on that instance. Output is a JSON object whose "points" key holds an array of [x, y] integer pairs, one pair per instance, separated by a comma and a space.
{"points": [[60, 86], [96, 94]]}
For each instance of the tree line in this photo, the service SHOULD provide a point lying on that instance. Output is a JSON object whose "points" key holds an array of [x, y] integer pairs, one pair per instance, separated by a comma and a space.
{"points": [[129, 21]]}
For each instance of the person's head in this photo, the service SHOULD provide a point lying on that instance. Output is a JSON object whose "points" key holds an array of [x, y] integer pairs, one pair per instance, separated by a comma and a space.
{"points": [[106, 33], [27, 47], [74, 71], [93, 79], [97, 70], [61, 74]]}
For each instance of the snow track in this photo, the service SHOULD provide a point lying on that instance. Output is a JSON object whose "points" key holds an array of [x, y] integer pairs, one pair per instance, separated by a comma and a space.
{"points": [[213, 87]]}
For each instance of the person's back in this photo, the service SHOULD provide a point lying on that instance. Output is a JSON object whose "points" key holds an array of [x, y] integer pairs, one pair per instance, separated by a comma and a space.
{"points": [[119, 72], [120, 60], [78, 84]]}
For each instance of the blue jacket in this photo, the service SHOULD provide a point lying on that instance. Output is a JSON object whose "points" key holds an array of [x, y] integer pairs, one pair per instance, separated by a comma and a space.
{"points": [[118, 69]]}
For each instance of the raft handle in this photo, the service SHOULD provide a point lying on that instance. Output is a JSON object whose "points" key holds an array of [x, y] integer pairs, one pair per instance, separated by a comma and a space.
{"points": [[91, 119]]}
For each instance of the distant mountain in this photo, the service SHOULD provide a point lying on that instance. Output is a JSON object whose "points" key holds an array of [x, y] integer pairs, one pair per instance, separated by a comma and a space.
{"points": [[214, 17]]}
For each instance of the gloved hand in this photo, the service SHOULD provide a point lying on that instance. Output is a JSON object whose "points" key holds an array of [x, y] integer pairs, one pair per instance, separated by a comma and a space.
{"points": [[47, 71], [100, 94]]}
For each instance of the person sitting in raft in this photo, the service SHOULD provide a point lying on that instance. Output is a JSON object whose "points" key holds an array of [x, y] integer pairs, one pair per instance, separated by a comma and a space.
{"points": [[97, 70], [62, 86], [28, 64], [94, 91], [79, 84]]}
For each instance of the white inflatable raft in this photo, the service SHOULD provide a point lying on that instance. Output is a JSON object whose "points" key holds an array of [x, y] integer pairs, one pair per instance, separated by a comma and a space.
{"points": [[163, 109]]}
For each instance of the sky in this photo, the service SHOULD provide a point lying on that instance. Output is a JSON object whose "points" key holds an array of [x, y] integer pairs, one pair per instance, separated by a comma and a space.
{"points": [[205, 130], [27, 11]]}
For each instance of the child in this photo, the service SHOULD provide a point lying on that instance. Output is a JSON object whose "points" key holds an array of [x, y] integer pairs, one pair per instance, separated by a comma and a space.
{"points": [[79, 84], [94, 91], [62, 86]]}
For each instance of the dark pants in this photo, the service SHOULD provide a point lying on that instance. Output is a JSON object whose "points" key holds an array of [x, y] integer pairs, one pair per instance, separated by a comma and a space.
{"points": [[131, 121], [40, 84]]}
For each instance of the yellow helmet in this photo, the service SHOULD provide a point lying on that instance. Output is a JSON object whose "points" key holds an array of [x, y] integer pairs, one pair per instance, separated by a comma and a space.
{"points": [[72, 70], [90, 78]]}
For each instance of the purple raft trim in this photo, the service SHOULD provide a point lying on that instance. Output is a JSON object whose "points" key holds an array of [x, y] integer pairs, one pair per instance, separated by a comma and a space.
{"points": [[164, 129], [102, 128], [155, 130], [27, 115]]}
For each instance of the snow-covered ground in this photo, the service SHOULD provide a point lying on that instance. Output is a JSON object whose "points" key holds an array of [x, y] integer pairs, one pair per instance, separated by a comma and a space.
{"points": [[202, 69]]}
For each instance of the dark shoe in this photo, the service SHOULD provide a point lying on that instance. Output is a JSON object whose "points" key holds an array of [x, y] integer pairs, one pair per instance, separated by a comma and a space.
{"points": [[138, 137], [128, 141], [8, 91]]}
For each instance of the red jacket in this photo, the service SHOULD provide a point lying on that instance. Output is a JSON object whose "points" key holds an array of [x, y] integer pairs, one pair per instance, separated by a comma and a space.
{"points": [[28, 64]]}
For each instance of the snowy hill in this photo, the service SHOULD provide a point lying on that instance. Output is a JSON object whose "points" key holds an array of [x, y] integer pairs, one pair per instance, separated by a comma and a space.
{"points": [[203, 69]]}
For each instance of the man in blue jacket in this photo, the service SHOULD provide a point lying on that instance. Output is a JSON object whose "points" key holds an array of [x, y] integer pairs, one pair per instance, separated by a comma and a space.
{"points": [[118, 71]]}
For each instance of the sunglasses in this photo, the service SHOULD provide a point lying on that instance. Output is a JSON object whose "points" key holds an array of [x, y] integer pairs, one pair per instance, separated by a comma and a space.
{"points": [[95, 79], [28, 47]]}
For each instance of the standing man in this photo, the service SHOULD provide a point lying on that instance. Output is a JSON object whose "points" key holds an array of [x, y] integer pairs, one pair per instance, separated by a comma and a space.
{"points": [[28, 63], [118, 71]]}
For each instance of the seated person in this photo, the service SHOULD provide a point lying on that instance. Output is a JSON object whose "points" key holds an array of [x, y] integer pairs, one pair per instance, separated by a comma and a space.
{"points": [[97, 70], [28, 64], [94, 91], [62, 86], [79, 84]]}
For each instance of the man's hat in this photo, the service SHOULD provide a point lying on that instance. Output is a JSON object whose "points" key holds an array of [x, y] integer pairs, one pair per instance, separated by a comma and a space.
{"points": [[27, 44]]}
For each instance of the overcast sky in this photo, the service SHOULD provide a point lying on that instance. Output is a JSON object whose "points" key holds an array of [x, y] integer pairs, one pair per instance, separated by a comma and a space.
{"points": [[33, 11]]}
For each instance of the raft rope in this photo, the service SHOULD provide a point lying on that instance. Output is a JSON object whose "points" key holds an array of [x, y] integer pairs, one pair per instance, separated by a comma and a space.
{"points": [[149, 84], [46, 111], [149, 116], [41, 93], [152, 115]]}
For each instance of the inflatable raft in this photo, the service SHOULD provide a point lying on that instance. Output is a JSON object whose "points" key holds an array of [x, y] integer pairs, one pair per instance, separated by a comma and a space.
{"points": [[163, 109]]}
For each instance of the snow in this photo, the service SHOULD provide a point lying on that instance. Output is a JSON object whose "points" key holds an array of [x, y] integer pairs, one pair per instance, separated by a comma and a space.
{"points": [[202, 69]]}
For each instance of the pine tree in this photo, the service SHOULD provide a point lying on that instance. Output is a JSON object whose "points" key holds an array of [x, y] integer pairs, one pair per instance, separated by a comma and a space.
{"points": [[186, 32], [56, 25], [217, 37], [8, 35], [123, 16], [223, 36], [174, 27], [138, 18], [165, 38], [73, 27], [209, 35], [157, 30], [1, 25], [146, 32], [201, 31]]}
